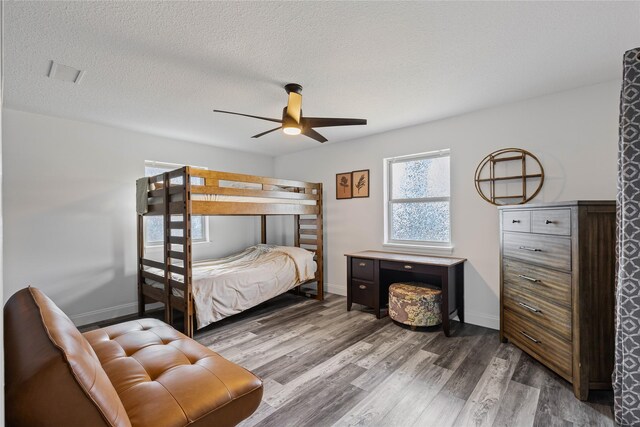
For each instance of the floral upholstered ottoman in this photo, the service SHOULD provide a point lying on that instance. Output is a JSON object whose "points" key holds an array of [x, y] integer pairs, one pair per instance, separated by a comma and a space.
{"points": [[415, 304]]}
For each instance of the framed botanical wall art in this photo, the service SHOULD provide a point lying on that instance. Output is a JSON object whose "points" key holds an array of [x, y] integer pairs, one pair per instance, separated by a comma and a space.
{"points": [[360, 183], [343, 185]]}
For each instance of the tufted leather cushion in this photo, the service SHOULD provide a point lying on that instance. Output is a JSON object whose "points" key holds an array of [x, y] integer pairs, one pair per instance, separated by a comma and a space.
{"points": [[52, 375], [166, 379]]}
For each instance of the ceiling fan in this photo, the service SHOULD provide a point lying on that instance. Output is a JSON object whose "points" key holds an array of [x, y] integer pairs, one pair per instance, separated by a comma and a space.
{"points": [[294, 123]]}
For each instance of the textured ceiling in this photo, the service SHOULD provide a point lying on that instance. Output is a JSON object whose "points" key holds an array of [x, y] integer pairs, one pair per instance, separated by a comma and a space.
{"points": [[161, 67]]}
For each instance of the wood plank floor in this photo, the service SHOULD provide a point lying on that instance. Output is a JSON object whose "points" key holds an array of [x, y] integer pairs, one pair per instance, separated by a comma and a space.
{"points": [[324, 366]]}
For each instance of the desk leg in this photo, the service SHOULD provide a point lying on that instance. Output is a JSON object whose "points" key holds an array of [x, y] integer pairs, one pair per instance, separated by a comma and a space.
{"points": [[460, 291], [349, 302], [444, 305]]}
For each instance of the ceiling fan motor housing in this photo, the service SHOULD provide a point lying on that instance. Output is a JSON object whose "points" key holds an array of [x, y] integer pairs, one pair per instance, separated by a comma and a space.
{"points": [[293, 87]]}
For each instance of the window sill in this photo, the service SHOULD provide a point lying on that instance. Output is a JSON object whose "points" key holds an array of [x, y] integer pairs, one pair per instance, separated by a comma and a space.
{"points": [[423, 249]]}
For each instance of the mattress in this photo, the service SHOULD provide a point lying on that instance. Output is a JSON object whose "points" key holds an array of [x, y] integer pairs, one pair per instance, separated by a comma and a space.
{"points": [[227, 286]]}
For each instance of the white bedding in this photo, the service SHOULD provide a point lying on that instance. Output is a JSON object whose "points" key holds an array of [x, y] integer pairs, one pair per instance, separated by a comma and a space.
{"points": [[227, 286]]}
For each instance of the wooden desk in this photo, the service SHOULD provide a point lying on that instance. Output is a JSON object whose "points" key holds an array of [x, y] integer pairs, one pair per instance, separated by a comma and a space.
{"points": [[370, 273]]}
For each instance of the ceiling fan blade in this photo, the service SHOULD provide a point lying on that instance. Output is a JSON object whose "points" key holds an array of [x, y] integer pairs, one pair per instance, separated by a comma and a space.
{"points": [[307, 131], [294, 106], [264, 133], [249, 115], [318, 122]]}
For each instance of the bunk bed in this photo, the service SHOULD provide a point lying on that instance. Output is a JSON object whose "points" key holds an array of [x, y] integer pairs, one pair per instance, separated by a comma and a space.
{"points": [[175, 196]]}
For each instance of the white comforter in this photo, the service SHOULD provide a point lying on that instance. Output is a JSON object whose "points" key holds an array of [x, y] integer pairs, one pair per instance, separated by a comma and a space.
{"points": [[227, 286]]}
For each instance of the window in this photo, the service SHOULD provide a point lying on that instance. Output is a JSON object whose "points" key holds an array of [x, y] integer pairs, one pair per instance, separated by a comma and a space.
{"points": [[417, 200], [153, 225]]}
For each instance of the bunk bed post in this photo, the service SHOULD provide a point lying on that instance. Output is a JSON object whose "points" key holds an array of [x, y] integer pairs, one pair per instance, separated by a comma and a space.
{"points": [[319, 247], [296, 241], [166, 243], [296, 231], [296, 237], [263, 229], [141, 299], [186, 234]]}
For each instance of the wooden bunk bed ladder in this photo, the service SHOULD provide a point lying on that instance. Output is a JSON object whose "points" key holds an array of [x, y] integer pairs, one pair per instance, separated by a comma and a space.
{"points": [[308, 234]]}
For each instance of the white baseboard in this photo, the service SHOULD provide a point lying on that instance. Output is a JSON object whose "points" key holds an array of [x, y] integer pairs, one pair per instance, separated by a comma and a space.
{"points": [[110, 313], [473, 317], [104, 314], [482, 319], [336, 289]]}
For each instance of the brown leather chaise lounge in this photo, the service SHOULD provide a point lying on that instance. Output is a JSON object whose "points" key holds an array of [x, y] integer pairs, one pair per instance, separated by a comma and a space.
{"points": [[138, 373]]}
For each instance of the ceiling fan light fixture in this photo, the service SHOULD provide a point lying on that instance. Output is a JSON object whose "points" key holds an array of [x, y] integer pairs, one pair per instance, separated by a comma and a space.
{"points": [[294, 123], [292, 130]]}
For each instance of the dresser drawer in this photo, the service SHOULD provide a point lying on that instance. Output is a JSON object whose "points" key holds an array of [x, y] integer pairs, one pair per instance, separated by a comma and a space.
{"points": [[363, 292], [551, 350], [549, 251], [516, 221], [362, 268], [549, 316], [552, 284], [551, 221]]}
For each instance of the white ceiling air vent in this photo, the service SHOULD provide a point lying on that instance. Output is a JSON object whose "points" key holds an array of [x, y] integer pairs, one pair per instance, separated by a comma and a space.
{"points": [[65, 73]]}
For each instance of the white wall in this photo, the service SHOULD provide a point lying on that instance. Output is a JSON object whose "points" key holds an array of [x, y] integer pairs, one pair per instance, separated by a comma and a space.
{"points": [[69, 209], [573, 133]]}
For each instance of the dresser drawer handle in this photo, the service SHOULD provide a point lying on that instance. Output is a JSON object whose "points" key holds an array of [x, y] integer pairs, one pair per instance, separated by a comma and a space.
{"points": [[363, 286], [548, 222], [531, 279], [363, 264], [515, 221], [527, 248], [528, 307], [530, 337], [408, 267]]}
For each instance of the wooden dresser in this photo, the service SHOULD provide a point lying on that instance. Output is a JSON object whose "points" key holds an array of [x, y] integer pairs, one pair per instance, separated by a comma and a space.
{"points": [[557, 287]]}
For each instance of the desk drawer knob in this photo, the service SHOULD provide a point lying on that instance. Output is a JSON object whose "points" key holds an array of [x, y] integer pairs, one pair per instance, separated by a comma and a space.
{"points": [[363, 264], [527, 248], [515, 221], [408, 267], [548, 222], [363, 286], [529, 337]]}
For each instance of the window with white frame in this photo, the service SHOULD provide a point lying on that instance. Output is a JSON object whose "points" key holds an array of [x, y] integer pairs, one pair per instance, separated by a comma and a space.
{"points": [[417, 200], [153, 225]]}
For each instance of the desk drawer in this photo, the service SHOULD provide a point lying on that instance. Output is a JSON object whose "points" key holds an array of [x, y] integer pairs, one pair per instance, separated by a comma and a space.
{"points": [[551, 284], [550, 251], [516, 221], [551, 350], [363, 292], [362, 268], [547, 315], [406, 266], [551, 221]]}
